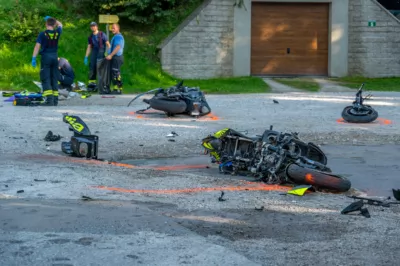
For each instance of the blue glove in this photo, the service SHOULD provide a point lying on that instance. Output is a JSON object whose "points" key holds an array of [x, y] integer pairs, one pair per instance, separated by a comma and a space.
{"points": [[86, 60], [46, 18], [34, 62]]}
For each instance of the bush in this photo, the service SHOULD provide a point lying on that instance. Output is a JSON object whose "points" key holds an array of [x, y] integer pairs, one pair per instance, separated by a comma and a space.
{"points": [[144, 12], [25, 19]]}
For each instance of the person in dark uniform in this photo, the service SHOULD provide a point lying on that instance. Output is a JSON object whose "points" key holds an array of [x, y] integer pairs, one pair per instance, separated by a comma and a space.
{"points": [[97, 43], [66, 74], [117, 58], [47, 43]]}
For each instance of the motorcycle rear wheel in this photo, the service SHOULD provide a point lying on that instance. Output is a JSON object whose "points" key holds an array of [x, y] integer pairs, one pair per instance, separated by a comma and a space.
{"points": [[168, 106], [351, 118], [322, 180]]}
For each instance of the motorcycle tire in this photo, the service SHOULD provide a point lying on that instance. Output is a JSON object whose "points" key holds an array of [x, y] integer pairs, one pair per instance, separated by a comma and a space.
{"points": [[168, 106], [322, 180], [368, 118]]}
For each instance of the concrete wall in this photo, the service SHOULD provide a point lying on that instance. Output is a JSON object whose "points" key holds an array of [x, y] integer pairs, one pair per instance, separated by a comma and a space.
{"points": [[202, 46], [373, 51], [338, 25]]}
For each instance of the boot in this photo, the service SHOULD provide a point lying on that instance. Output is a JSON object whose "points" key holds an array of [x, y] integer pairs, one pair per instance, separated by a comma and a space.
{"points": [[55, 100], [49, 101]]}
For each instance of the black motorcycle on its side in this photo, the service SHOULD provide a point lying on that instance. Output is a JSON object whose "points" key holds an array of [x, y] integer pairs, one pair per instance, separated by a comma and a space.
{"points": [[274, 158], [177, 99], [359, 112]]}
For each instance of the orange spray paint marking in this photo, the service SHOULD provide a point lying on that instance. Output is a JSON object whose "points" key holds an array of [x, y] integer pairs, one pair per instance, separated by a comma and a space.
{"points": [[378, 121], [260, 187]]}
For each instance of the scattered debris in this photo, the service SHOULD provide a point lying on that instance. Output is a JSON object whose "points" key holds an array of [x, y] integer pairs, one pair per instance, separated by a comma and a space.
{"points": [[20, 191], [275, 101], [356, 206], [51, 137], [259, 209], [107, 96], [6, 185], [396, 193], [172, 140], [299, 190], [374, 202], [39, 180], [172, 134], [86, 198], [221, 197]]}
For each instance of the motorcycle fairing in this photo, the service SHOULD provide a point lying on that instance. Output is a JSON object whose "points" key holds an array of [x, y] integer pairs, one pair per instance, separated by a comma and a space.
{"points": [[77, 125]]}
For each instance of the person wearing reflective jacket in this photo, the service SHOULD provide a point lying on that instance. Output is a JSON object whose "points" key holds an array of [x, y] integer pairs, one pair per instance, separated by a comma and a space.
{"points": [[47, 46]]}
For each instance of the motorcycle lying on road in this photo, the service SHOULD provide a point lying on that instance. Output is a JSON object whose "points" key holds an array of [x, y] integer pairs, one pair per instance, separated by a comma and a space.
{"points": [[274, 158], [177, 99], [358, 112]]}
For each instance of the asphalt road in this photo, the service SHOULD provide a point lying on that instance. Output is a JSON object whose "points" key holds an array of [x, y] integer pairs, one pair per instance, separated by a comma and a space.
{"points": [[150, 216]]}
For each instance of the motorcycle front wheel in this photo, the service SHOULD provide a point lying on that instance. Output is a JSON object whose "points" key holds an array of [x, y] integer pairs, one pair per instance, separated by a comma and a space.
{"points": [[322, 180], [368, 117]]}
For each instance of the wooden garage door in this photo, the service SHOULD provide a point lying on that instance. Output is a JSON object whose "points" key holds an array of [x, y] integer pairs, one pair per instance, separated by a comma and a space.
{"points": [[289, 38]]}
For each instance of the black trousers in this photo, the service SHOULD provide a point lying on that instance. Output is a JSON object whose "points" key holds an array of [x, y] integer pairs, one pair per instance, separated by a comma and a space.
{"points": [[94, 56], [65, 81], [116, 63], [49, 74]]}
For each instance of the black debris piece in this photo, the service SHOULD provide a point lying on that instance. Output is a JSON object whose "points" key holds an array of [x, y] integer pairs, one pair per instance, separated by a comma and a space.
{"points": [[51, 137], [39, 180], [221, 197], [6, 185], [275, 101], [259, 209], [396, 193], [357, 206], [172, 140], [86, 198], [365, 213], [20, 191]]}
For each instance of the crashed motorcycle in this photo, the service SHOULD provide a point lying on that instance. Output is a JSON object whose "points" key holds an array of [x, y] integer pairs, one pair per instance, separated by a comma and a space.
{"points": [[358, 112], [274, 158], [177, 99]]}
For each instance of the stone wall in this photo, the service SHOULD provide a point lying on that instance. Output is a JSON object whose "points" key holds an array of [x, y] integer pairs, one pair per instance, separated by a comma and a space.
{"points": [[373, 51], [202, 46]]}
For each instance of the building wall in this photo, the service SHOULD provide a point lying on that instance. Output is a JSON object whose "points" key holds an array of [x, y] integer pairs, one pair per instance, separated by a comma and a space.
{"points": [[202, 47], [373, 51]]}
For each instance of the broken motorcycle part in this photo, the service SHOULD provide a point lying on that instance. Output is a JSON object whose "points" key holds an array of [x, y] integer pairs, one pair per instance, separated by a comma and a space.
{"points": [[82, 143], [396, 193], [177, 99], [374, 202], [359, 112], [273, 157]]}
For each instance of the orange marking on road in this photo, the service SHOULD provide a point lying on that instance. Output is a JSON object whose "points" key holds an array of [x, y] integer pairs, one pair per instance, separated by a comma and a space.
{"points": [[378, 121], [257, 187]]}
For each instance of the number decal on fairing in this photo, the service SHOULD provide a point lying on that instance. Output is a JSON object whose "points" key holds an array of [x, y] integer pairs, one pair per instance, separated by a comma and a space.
{"points": [[79, 127]]}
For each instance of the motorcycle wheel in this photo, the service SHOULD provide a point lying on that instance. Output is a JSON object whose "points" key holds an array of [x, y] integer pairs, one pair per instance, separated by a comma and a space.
{"points": [[168, 106], [351, 118], [322, 180]]}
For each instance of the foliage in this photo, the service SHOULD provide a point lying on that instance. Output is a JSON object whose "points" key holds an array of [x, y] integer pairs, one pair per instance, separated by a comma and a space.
{"points": [[144, 12], [24, 19]]}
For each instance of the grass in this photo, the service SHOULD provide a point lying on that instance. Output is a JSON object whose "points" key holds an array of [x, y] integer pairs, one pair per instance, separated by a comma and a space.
{"points": [[372, 84], [299, 83], [141, 70]]}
